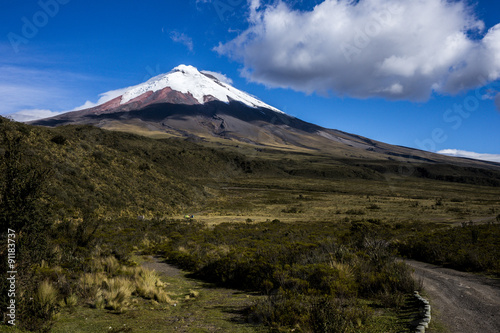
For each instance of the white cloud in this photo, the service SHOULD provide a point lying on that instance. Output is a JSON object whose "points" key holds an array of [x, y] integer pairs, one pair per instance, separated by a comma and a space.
{"points": [[402, 50], [103, 98], [24, 88], [219, 76], [468, 154], [179, 37], [27, 94], [33, 114]]}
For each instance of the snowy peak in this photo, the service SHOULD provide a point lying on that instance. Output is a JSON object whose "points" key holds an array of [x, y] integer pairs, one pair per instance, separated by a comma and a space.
{"points": [[201, 86]]}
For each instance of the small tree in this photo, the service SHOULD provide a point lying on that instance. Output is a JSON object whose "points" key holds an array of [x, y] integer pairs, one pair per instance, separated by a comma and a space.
{"points": [[23, 178]]}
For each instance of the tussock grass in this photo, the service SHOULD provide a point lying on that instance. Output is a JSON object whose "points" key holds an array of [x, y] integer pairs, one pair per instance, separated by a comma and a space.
{"points": [[346, 271], [100, 301], [46, 296], [112, 285], [69, 301], [90, 285], [149, 285], [110, 265], [117, 293], [44, 304]]}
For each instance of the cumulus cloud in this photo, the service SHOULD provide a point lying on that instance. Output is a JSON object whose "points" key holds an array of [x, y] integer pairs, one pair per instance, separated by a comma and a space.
{"points": [[219, 76], [399, 50], [468, 154], [179, 37]]}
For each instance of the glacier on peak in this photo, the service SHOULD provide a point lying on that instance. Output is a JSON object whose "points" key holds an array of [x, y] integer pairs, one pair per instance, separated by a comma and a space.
{"points": [[188, 79]]}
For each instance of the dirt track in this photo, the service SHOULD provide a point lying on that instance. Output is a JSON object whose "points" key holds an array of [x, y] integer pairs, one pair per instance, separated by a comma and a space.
{"points": [[463, 302], [157, 263]]}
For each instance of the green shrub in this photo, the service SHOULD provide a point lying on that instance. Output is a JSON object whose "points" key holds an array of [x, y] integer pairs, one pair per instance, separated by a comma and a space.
{"points": [[284, 309], [59, 139], [474, 248], [332, 315]]}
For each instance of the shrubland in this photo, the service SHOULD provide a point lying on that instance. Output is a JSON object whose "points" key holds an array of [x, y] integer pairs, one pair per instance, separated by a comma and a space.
{"points": [[469, 247], [315, 238], [315, 275]]}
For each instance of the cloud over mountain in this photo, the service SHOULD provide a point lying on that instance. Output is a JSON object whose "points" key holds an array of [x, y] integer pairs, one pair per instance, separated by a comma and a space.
{"points": [[179, 37], [469, 154], [399, 50], [33, 114]]}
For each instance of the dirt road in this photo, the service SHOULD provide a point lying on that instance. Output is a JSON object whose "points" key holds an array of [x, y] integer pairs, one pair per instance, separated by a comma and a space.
{"points": [[463, 302]]}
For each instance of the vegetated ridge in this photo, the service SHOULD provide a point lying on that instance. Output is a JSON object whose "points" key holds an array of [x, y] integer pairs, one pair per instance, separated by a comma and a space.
{"points": [[197, 105]]}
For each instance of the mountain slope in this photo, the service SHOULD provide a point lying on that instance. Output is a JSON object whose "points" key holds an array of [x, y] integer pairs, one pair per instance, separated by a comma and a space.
{"points": [[188, 103]]}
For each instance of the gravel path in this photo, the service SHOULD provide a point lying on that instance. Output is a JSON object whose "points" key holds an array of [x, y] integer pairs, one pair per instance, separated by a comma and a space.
{"points": [[156, 263], [463, 302]]}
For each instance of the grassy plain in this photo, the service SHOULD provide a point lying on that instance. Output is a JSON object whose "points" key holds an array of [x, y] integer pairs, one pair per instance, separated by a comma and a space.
{"points": [[263, 221]]}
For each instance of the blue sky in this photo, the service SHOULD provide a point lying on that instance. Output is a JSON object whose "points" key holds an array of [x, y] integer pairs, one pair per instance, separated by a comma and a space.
{"points": [[424, 74]]}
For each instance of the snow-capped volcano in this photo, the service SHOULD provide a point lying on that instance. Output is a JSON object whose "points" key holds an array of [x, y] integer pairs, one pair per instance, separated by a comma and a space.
{"points": [[188, 80], [203, 106]]}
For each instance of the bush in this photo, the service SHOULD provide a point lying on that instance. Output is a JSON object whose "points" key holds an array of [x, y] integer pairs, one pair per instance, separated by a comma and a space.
{"points": [[284, 309], [474, 248], [59, 139], [332, 315]]}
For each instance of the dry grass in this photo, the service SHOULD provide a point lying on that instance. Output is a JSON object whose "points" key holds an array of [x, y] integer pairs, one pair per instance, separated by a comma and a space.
{"points": [[69, 301], [110, 265], [46, 298], [90, 284], [346, 271], [112, 285], [117, 293], [149, 285]]}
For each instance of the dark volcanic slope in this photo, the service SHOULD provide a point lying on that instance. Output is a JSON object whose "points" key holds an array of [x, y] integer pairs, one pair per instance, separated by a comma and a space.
{"points": [[259, 126]]}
